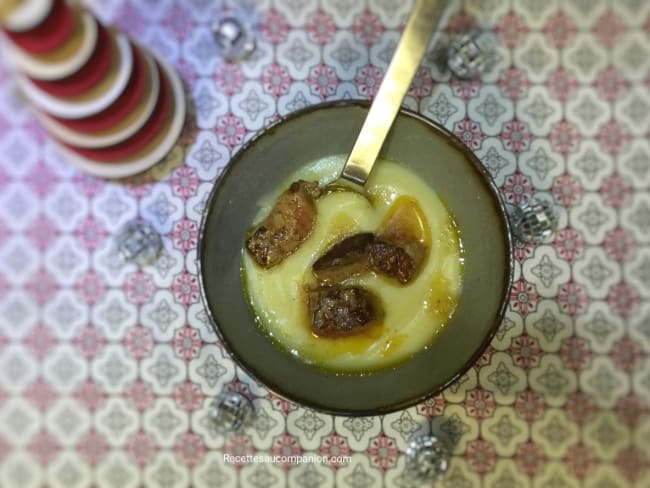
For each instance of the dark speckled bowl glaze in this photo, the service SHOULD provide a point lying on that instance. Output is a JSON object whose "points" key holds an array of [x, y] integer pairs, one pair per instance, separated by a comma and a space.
{"points": [[447, 166]]}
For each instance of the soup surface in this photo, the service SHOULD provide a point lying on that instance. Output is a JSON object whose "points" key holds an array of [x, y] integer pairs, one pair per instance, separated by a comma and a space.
{"points": [[413, 313]]}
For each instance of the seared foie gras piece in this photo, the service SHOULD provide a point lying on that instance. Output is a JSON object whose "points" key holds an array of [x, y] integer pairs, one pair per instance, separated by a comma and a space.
{"points": [[338, 311], [400, 262], [402, 241], [344, 259], [290, 222]]}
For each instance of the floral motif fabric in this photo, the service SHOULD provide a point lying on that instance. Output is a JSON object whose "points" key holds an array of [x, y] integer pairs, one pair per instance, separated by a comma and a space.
{"points": [[106, 371]]}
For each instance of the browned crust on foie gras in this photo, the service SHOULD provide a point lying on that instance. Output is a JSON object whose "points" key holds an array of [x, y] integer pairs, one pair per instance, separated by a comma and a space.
{"points": [[290, 222], [340, 311]]}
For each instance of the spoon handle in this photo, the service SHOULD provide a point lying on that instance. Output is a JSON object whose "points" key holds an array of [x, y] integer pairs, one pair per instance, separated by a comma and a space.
{"points": [[393, 88]]}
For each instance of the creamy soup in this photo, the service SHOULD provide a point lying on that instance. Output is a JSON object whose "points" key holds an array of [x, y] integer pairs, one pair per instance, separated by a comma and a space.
{"points": [[413, 313]]}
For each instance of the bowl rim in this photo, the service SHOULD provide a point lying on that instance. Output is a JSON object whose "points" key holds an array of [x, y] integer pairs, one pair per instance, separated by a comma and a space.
{"points": [[503, 217]]}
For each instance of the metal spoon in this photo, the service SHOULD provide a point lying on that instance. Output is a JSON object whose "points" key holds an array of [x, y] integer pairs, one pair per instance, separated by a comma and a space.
{"points": [[393, 88]]}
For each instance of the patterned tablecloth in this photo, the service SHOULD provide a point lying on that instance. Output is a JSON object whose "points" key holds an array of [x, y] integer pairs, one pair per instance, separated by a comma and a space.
{"points": [[107, 371]]}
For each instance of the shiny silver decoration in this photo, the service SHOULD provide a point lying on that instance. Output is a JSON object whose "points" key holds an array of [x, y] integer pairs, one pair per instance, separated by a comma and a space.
{"points": [[427, 459], [234, 35], [138, 242], [534, 221], [230, 411], [472, 53]]}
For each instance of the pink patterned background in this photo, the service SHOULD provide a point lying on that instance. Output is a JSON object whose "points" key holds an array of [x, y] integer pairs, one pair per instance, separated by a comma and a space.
{"points": [[107, 371]]}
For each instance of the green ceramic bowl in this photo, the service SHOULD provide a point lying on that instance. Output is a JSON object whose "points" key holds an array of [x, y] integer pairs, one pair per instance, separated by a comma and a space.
{"points": [[447, 166]]}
